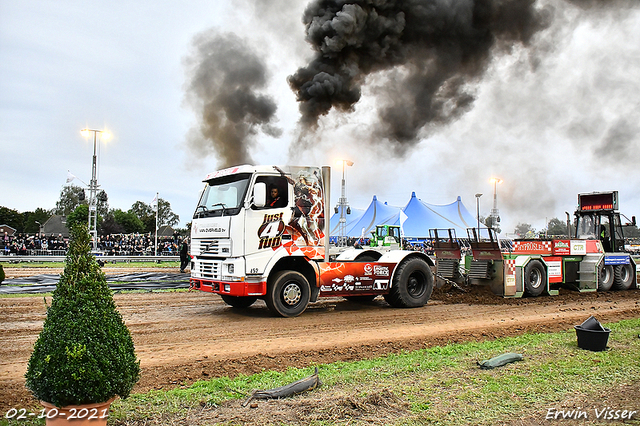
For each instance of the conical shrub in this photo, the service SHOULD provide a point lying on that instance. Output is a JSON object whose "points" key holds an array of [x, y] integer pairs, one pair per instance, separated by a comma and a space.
{"points": [[85, 353]]}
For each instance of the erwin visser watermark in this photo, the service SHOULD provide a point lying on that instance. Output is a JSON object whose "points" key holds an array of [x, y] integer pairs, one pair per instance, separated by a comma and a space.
{"points": [[603, 413]]}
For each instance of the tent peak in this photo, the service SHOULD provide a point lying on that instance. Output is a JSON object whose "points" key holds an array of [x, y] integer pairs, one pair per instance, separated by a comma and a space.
{"points": [[413, 194]]}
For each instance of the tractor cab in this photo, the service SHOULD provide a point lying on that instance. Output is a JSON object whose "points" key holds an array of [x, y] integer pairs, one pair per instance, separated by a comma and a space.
{"points": [[597, 219], [385, 236]]}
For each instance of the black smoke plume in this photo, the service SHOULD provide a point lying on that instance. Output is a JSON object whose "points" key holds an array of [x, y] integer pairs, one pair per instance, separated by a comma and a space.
{"points": [[225, 78], [434, 48]]}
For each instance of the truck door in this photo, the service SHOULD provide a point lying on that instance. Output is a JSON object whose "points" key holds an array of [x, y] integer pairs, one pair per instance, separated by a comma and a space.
{"points": [[265, 226]]}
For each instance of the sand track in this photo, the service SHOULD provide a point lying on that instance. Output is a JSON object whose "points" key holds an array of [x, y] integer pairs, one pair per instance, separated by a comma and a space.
{"points": [[187, 336]]}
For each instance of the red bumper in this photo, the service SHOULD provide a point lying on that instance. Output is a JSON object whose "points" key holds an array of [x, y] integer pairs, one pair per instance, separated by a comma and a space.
{"points": [[233, 288]]}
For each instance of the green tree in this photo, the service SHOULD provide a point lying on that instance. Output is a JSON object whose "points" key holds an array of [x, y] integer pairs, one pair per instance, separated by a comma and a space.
{"points": [[128, 220], [31, 220], [12, 218], [524, 229], [557, 227], [84, 353], [71, 197], [110, 226], [102, 204], [147, 214], [79, 215]]}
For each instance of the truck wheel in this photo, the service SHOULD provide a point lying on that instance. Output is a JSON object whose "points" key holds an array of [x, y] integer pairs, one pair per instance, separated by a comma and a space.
{"points": [[622, 277], [412, 285], [238, 301], [534, 278], [605, 278], [289, 293]]}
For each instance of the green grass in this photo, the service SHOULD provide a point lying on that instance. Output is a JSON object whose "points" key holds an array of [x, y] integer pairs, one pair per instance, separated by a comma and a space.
{"points": [[441, 385]]}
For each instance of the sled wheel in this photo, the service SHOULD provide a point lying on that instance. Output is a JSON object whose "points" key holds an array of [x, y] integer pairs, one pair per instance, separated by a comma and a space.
{"points": [[289, 293], [605, 277], [412, 284], [622, 277], [535, 278], [238, 301]]}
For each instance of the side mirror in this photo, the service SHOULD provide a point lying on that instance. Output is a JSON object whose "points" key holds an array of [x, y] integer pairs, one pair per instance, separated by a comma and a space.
{"points": [[260, 194]]}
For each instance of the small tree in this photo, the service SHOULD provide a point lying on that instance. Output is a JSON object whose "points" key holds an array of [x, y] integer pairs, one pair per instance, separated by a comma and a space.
{"points": [[524, 229], [557, 227], [85, 352], [78, 216]]}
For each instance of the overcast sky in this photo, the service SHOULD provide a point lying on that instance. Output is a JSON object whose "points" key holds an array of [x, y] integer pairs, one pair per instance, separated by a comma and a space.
{"points": [[552, 119]]}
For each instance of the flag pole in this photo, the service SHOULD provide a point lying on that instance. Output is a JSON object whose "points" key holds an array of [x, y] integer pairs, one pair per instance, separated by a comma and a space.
{"points": [[157, 205]]}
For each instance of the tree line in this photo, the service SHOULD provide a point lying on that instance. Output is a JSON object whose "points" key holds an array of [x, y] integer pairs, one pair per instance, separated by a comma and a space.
{"points": [[74, 204]]}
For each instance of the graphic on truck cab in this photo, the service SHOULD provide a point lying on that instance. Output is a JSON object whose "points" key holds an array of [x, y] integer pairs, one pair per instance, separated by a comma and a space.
{"points": [[306, 224], [309, 208], [271, 230]]}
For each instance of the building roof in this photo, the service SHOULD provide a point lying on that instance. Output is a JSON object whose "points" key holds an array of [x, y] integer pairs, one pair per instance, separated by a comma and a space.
{"points": [[56, 224], [8, 229]]}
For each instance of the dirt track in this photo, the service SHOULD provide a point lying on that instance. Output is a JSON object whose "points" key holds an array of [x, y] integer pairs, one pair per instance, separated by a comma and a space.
{"points": [[188, 336]]}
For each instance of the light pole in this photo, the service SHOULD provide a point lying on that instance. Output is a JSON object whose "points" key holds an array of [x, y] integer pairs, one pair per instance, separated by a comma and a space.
{"points": [[478, 212], [495, 214], [343, 205], [93, 186]]}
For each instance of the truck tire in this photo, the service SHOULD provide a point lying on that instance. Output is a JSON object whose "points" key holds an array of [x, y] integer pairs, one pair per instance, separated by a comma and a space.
{"points": [[288, 294], [535, 278], [238, 301], [412, 284], [622, 277], [605, 277]]}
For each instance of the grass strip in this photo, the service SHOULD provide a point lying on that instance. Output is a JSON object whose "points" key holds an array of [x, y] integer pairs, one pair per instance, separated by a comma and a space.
{"points": [[440, 385]]}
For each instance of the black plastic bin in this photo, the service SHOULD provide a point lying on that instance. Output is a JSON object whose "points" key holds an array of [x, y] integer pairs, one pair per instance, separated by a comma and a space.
{"points": [[592, 335]]}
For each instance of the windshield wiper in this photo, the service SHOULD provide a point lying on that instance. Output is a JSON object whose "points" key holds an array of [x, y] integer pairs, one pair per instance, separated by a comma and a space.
{"points": [[223, 207]]}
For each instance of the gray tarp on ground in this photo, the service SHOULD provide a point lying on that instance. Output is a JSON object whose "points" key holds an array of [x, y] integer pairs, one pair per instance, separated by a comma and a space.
{"points": [[45, 283]]}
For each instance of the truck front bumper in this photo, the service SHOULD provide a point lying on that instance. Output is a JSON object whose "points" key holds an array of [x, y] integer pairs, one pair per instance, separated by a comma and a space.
{"points": [[230, 288]]}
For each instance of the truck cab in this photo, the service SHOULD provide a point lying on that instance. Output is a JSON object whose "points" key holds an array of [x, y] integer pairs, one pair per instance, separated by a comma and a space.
{"points": [[258, 232]]}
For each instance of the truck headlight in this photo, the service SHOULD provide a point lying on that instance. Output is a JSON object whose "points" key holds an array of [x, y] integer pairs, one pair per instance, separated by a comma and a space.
{"points": [[227, 288]]}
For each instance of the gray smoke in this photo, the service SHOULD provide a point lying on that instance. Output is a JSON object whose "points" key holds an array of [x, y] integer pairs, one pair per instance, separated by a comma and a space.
{"points": [[440, 46], [225, 78]]}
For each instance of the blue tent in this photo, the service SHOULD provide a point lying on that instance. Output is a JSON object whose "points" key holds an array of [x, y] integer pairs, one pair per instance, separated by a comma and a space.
{"points": [[420, 217], [376, 214], [351, 219]]}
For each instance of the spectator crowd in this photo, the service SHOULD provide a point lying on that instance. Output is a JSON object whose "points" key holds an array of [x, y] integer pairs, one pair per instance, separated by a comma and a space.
{"points": [[110, 245]]}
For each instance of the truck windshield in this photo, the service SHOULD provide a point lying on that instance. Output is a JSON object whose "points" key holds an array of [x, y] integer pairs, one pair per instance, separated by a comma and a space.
{"points": [[586, 228], [223, 196]]}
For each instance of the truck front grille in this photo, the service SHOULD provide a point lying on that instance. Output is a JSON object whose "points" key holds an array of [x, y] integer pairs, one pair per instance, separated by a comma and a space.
{"points": [[213, 247], [207, 269]]}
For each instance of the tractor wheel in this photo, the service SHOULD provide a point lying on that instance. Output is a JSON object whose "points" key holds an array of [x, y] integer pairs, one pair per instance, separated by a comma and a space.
{"points": [[412, 284], [238, 301], [622, 277], [535, 278], [288, 294], [605, 277]]}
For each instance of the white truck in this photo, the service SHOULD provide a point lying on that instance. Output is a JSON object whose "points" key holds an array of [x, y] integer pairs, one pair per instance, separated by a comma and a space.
{"points": [[261, 232]]}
